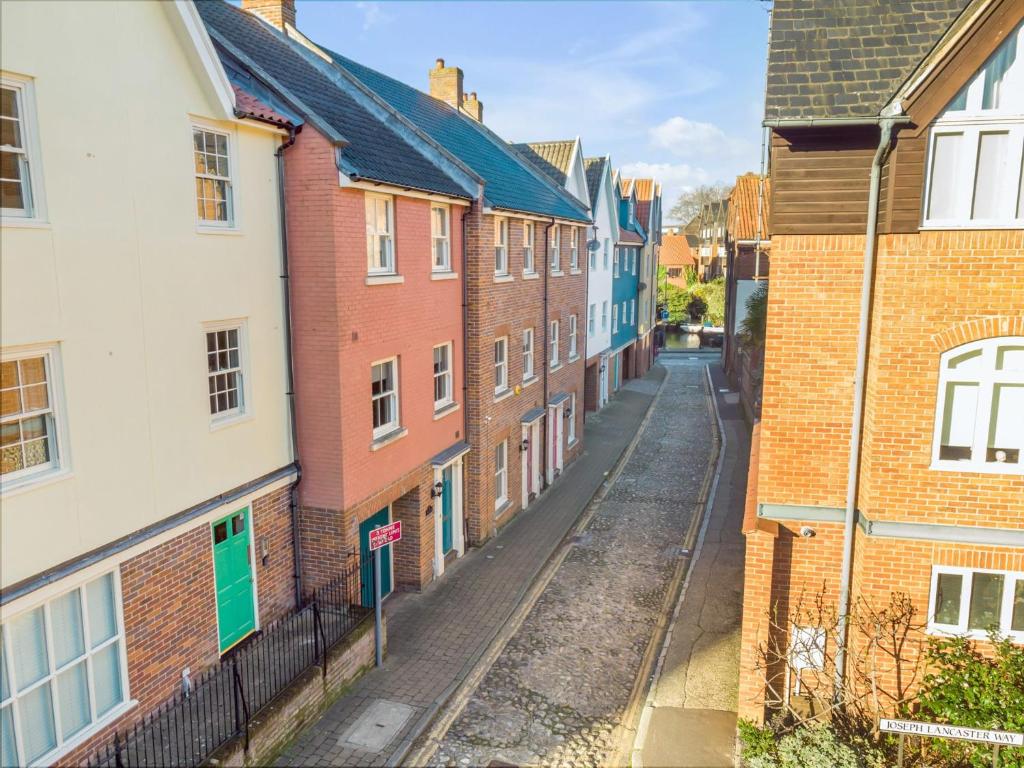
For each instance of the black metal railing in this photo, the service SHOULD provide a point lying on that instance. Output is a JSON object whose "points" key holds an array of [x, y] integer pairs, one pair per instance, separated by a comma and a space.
{"points": [[220, 703]]}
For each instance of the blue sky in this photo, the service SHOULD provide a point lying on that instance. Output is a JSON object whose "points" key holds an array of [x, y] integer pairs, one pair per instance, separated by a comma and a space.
{"points": [[669, 89]]}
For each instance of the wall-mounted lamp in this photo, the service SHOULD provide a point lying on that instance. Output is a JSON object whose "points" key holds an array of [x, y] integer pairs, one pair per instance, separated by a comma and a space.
{"points": [[264, 550], [437, 490], [523, 446], [568, 413]]}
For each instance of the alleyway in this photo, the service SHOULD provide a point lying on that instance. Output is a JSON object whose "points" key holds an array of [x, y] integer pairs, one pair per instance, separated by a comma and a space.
{"points": [[436, 638], [564, 689]]}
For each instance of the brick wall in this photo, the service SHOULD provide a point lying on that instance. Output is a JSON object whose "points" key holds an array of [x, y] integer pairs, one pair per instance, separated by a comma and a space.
{"points": [[933, 291], [507, 308]]}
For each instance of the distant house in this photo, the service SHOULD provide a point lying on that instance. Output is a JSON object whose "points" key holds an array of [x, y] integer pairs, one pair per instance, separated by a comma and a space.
{"points": [[629, 244], [711, 254], [604, 210], [648, 213], [676, 257], [747, 246]]}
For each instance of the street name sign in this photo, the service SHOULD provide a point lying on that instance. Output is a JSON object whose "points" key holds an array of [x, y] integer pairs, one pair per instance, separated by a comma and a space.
{"points": [[939, 730], [386, 534]]}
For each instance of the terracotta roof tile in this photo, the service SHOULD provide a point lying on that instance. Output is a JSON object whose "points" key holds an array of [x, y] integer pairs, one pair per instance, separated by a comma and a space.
{"points": [[675, 252], [250, 106], [742, 222]]}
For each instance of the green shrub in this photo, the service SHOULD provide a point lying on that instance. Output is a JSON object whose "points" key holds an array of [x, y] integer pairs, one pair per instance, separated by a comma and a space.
{"points": [[816, 745]]}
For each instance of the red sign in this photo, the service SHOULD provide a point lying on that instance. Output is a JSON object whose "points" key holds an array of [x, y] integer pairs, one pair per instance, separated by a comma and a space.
{"points": [[385, 535]]}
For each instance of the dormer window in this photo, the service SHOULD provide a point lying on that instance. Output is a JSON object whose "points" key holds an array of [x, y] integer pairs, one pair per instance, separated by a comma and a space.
{"points": [[976, 148]]}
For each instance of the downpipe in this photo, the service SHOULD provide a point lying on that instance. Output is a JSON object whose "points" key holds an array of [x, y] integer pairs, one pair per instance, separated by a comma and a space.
{"points": [[853, 466]]}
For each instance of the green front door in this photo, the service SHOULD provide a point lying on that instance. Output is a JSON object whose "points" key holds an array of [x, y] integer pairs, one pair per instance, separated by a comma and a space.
{"points": [[232, 567], [378, 520], [446, 510]]}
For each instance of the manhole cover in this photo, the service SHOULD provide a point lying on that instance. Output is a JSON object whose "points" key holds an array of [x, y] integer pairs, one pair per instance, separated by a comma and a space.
{"points": [[378, 725]]}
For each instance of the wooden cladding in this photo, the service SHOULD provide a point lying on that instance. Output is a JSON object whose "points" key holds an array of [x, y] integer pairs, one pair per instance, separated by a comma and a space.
{"points": [[820, 181]]}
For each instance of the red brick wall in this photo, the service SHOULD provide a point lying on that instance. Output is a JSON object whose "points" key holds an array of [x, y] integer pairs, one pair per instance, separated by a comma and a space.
{"points": [[933, 291], [507, 308]]}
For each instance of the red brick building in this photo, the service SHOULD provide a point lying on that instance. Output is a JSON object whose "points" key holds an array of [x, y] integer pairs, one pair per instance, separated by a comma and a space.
{"points": [[890, 456]]}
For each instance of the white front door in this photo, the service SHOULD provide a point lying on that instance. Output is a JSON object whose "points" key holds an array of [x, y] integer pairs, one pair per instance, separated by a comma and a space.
{"points": [[555, 448], [602, 377], [527, 468], [535, 444], [448, 514]]}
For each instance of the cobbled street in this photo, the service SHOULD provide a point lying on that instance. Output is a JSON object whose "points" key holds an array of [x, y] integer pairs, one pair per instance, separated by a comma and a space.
{"points": [[559, 690]]}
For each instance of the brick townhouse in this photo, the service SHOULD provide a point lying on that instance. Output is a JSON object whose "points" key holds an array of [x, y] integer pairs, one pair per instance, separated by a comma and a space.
{"points": [[146, 466], [629, 244], [747, 250], [711, 255], [891, 445], [648, 213], [523, 277], [375, 246]]}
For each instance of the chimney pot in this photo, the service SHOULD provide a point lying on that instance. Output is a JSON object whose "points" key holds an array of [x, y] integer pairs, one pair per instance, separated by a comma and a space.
{"points": [[440, 63]]}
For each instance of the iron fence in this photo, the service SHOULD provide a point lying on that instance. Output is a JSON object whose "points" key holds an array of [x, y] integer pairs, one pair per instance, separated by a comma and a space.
{"points": [[220, 703]]}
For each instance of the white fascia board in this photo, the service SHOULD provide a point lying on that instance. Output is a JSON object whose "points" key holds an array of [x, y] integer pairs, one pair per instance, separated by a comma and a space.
{"points": [[201, 53], [384, 187], [526, 215]]}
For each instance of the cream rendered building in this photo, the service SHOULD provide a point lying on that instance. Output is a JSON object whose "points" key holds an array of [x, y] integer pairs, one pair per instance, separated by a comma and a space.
{"points": [[145, 416]]}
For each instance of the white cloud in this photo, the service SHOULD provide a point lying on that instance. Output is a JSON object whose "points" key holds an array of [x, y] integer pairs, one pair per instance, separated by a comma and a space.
{"points": [[373, 15], [675, 178], [686, 138]]}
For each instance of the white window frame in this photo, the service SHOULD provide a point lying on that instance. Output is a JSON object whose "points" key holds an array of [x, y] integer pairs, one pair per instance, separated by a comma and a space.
{"points": [[604, 315], [632, 311], [501, 474], [615, 261], [986, 378], [374, 236], [553, 345], [528, 367], [445, 376], [231, 179], [573, 337], [555, 248], [1010, 579], [529, 261], [971, 123], [607, 244], [243, 409], [501, 365], [34, 211], [593, 258], [66, 745], [592, 320], [574, 249], [442, 239], [500, 246], [395, 424], [615, 318], [56, 422]]}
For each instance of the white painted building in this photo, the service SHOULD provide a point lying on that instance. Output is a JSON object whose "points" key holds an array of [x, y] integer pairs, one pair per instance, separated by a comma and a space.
{"points": [[599, 281], [145, 418]]}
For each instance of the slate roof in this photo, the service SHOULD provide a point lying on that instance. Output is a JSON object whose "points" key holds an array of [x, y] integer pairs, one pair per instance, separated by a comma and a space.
{"points": [[594, 167], [742, 221], [374, 151], [675, 252], [831, 59], [511, 183], [549, 157]]}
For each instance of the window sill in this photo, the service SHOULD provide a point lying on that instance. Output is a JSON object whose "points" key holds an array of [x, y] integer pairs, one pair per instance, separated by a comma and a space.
{"points": [[444, 410], [503, 394], [575, 271], [505, 278], [993, 468], [531, 276], [573, 358], [973, 634], [557, 273], [385, 279], [384, 440], [571, 443], [32, 482], [82, 736], [24, 222], [532, 380], [555, 367], [204, 230], [501, 507], [444, 275], [229, 421]]}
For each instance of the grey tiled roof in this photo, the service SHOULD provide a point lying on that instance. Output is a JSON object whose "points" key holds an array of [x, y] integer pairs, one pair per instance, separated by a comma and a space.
{"points": [[374, 150], [594, 166], [832, 59], [549, 157]]}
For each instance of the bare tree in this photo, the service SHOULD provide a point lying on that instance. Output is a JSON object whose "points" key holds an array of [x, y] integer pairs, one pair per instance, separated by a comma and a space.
{"points": [[690, 202]]}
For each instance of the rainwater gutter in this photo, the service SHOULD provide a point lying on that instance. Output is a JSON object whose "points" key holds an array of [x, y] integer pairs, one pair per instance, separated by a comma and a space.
{"points": [[464, 279], [886, 124], [546, 353]]}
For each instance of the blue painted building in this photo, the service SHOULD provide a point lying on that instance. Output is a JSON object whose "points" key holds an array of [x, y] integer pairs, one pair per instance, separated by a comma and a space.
{"points": [[625, 318]]}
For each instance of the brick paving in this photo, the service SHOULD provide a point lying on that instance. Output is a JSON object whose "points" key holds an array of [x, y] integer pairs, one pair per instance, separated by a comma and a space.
{"points": [[558, 692], [436, 637]]}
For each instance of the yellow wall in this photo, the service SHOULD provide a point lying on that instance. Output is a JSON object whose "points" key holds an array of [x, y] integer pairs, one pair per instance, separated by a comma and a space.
{"points": [[121, 277]]}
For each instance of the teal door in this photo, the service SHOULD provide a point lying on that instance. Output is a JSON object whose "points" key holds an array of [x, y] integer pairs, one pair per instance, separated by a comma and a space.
{"points": [[446, 510], [232, 568], [378, 520]]}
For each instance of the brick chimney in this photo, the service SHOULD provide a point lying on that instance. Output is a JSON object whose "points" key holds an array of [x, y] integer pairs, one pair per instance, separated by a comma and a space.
{"points": [[446, 84], [277, 13], [474, 107]]}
